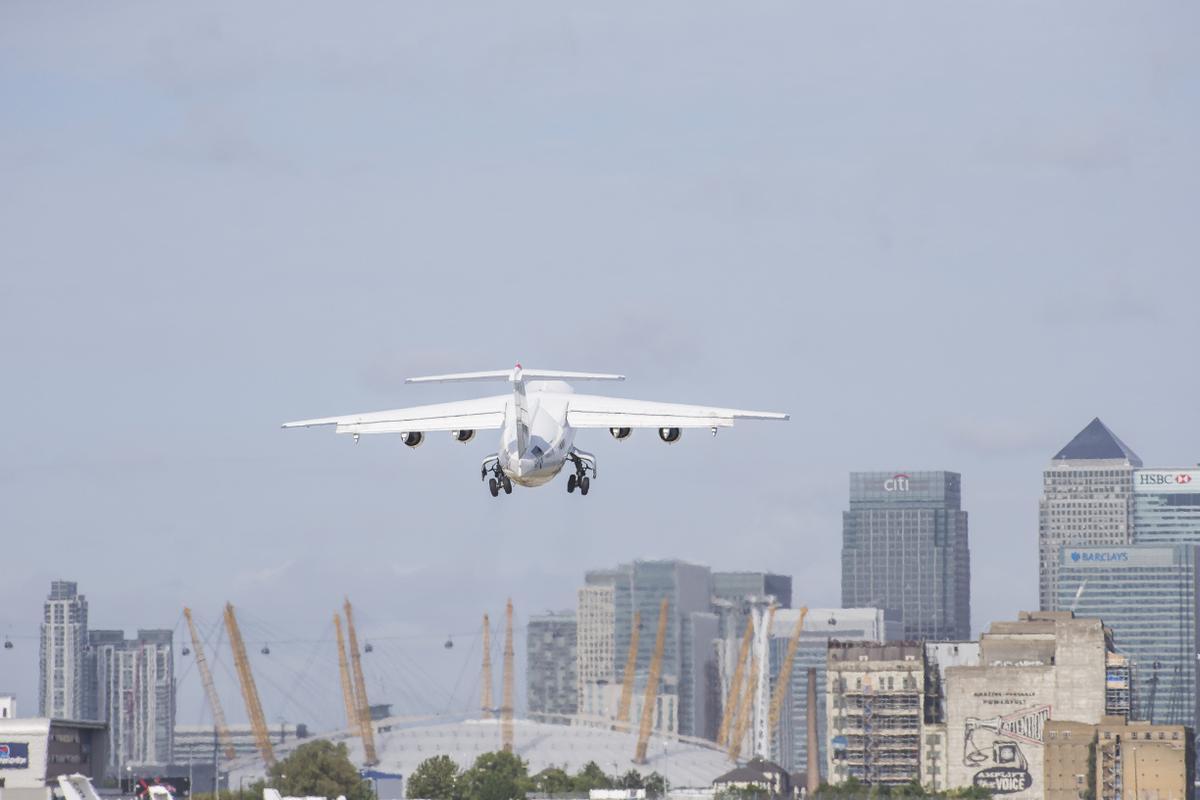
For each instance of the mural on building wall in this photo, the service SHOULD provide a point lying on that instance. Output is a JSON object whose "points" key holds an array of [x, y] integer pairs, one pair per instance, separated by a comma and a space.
{"points": [[997, 748]]}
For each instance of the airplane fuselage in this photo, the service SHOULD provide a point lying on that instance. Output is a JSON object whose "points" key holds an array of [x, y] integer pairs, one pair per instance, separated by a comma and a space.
{"points": [[536, 439]]}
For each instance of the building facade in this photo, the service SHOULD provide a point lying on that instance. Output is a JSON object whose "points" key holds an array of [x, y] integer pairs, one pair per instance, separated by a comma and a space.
{"points": [[133, 681], [62, 684], [875, 706], [821, 626], [551, 687], [996, 712], [734, 593], [905, 549], [1166, 506], [638, 590], [1087, 500], [198, 744], [1147, 595], [595, 652], [1136, 760]]}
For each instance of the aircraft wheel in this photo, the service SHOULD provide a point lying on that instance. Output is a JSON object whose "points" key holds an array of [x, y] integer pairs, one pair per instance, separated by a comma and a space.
{"points": [[585, 483], [507, 482], [493, 486], [570, 483]]}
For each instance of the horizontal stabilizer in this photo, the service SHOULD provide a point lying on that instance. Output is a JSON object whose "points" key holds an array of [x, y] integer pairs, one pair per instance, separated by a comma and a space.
{"points": [[517, 373]]}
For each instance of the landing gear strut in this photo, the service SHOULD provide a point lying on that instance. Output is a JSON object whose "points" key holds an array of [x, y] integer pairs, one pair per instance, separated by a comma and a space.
{"points": [[499, 481], [579, 478]]}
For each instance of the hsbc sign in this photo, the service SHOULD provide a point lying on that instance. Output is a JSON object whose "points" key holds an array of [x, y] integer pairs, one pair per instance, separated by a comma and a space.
{"points": [[1164, 481]]}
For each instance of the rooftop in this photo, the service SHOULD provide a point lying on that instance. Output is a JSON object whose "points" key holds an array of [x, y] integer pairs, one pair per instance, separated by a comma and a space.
{"points": [[1097, 443]]}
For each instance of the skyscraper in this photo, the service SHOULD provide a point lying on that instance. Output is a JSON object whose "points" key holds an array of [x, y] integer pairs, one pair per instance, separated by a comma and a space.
{"points": [[550, 666], [1087, 500], [1147, 595], [62, 688], [134, 685], [594, 650], [641, 587], [733, 590], [905, 549], [1166, 506]]}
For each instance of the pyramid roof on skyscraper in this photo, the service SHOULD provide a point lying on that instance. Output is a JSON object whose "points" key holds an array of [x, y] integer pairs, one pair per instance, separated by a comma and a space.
{"points": [[1097, 442]]}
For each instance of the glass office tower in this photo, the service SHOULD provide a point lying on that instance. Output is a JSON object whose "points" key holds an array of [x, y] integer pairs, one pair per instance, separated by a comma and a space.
{"points": [[1166, 506], [1147, 595], [905, 549]]}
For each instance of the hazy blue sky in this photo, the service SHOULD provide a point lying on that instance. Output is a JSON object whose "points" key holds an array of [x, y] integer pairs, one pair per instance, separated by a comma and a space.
{"points": [[940, 235]]}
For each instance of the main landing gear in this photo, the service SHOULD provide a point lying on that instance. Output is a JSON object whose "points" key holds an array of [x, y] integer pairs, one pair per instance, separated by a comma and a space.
{"points": [[579, 478], [499, 480]]}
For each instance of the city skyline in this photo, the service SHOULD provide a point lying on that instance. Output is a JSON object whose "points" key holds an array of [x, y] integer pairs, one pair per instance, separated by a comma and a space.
{"points": [[934, 234]]}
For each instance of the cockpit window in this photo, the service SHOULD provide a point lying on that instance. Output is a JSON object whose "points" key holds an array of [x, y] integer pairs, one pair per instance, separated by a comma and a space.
{"points": [[536, 451]]}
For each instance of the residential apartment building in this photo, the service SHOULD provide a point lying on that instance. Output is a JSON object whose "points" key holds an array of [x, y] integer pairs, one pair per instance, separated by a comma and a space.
{"points": [[62, 684], [551, 688], [133, 681]]}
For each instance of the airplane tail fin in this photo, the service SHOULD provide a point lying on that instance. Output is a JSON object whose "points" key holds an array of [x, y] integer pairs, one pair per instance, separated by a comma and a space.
{"points": [[516, 375]]}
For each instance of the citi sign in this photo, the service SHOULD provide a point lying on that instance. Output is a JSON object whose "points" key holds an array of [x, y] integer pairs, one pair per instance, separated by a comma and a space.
{"points": [[896, 483]]}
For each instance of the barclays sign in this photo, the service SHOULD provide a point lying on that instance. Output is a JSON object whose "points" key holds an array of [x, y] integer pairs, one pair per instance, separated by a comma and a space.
{"points": [[1105, 555]]}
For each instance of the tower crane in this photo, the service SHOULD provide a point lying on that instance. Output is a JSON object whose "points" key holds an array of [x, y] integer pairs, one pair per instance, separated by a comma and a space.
{"points": [[785, 673], [360, 691], [745, 711], [258, 722], [485, 691], [348, 697], [650, 700], [733, 698], [506, 709], [210, 689], [630, 670]]}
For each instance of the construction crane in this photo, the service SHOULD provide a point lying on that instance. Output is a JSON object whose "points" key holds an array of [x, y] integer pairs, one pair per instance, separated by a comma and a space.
{"points": [[735, 687], [360, 691], [344, 672], [210, 689], [744, 711], [785, 673], [506, 709], [249, 691], [630, 670], [650, 700], [485, 691]]}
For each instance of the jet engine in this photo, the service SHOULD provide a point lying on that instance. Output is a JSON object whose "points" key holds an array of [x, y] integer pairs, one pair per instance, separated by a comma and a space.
{"points": [[620, 434], [464, 435], [413, 438], [669, 435]]}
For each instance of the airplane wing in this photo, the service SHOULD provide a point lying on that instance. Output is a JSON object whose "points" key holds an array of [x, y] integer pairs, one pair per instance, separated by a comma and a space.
{"points": [[594, 411], [486, 413]]}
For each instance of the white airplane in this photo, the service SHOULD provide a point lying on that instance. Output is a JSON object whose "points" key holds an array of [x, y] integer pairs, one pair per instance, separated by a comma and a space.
{"points": [[537, 421]]}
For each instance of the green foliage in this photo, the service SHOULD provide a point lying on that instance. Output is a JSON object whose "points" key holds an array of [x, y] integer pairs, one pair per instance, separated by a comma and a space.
{"points": [[434, 779], [854, 789], [319, 768], [495, 776], [656, 785], [553, 780], [631, 780], [591, 777]]}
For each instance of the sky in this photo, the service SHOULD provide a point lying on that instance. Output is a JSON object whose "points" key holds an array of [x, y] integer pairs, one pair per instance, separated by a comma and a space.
{"points": [[941, 235]]}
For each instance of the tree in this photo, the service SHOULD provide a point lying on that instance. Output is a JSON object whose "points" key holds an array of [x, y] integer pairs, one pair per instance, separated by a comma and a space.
{"points": [[319, 768], [632, 780], [552, 780], [591, 777], [495, 776], [656, 785], [434, 779]]}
